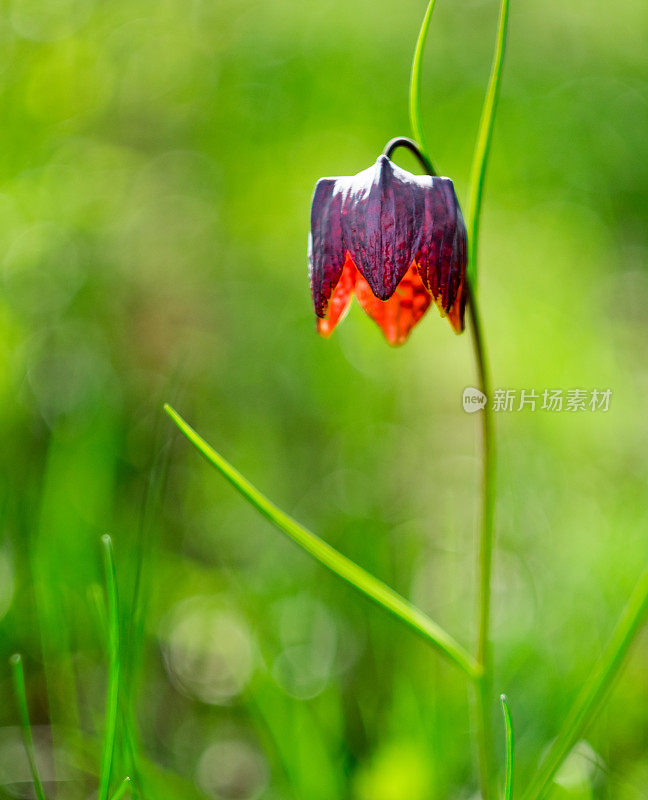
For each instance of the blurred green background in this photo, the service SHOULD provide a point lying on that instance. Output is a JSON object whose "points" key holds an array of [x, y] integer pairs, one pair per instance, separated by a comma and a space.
{"points": [[156, 166]]}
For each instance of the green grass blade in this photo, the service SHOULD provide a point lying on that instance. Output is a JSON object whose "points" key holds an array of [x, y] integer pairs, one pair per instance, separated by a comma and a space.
{"points": [[483, 143], [133, 632], [339, 564], [595, 689], [121, 789], [112, 693], [415, 81], [21, 699], [508, 724]]}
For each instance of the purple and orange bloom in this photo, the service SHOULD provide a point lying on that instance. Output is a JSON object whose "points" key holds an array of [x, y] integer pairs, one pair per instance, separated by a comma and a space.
{"points": [[395, 240]]}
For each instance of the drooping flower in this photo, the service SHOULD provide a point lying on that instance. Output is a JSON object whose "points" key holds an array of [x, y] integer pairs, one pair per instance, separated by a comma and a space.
{"points": [[395, 240]]}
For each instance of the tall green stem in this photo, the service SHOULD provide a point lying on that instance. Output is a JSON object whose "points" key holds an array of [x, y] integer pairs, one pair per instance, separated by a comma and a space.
{"points": [[483, 686], [483, 679], [477, 175], [415, 81]]}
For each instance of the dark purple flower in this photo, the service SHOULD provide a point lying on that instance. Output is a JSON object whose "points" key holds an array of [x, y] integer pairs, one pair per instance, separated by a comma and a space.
{"points": [[396, 240]]}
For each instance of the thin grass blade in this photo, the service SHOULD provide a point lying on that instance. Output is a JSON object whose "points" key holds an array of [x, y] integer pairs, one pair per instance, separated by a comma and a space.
{"points": [[595, 689], [339, 564], [112, 693], [483, 143], [21, 699], [121, 789], [510, 754], [415, 81]]}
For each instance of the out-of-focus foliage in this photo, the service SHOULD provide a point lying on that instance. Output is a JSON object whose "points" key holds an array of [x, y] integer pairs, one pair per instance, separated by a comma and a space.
{"points": [[156, 166]]}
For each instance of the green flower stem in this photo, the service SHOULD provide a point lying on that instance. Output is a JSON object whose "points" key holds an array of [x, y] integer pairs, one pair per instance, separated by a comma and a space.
{"points": [[477, 175], [339, 564], [21, 698], [483, 143], [415, 82], [483, 687], [508, 724], [483, 677], [112, 693], [594, 691]]}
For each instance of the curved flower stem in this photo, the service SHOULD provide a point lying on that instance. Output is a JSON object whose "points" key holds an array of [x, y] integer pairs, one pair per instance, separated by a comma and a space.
{"points": [[483, 678], [415, 81], [412, 146], [339, 564]]}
